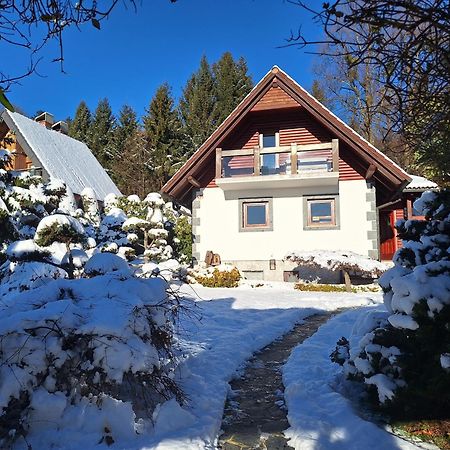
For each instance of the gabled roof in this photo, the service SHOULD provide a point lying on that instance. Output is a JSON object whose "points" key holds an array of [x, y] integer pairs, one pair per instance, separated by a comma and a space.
{"points": [[387, 171], [60, 155]]}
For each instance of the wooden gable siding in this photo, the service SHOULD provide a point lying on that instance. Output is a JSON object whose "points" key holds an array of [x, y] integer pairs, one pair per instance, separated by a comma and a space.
{"points": [[275, 98], [388, 177], [295, 127], [350, 167], [19, 159]]}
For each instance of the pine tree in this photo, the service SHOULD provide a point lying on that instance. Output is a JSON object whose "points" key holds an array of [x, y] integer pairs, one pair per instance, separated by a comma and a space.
{"points": [[162, 127], [232, 84], [132, 165], [127, 125], [197, 107], [80, 126], [101, 140]]}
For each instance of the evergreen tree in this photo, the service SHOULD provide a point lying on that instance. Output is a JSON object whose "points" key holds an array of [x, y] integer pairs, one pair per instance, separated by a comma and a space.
{"points": [[162, 127], [101, 140], [132, 165], [232, 82], [127, 125], [197, 107], [80, 126]]}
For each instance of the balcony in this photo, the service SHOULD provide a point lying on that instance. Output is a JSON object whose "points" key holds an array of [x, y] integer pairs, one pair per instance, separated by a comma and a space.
{"points": [[287, 166]]}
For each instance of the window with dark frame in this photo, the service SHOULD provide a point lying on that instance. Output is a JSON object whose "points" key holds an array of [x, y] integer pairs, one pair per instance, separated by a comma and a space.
{"points": [[321, 212], [255, 214]]}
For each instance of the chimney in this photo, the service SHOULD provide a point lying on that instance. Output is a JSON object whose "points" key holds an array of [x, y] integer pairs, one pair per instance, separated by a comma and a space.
{"points": [[45, 119], [61, 127]]}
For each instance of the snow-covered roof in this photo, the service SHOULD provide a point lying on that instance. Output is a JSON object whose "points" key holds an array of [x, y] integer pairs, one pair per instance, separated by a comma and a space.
{"points": [[420, 184], [60, 156]]}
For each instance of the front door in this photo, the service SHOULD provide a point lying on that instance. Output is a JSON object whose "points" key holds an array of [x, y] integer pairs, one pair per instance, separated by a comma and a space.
{"points": [[388, 238]]}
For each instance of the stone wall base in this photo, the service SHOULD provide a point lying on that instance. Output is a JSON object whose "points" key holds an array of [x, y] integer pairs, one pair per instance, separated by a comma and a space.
{"points": [[260, 270]]}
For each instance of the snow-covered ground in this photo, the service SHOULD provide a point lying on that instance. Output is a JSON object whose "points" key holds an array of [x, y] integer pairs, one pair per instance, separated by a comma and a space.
{"points": [[234, 324], [320, 417]]}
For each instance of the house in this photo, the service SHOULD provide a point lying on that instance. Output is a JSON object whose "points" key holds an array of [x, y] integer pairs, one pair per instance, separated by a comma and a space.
{"points": [[283, 173], [43, 148]]}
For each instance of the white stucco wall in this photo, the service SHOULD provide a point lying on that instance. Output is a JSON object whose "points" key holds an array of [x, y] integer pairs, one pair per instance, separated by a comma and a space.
{"points": [[218, 224]]}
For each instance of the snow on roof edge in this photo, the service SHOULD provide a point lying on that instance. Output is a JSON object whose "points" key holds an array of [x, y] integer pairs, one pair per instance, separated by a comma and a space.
{"points": [[420, 183]]}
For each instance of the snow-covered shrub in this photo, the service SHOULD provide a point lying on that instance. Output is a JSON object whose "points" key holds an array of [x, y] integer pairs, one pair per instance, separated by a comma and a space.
{"points": [[402, 357], [80, 349], [224, 275], [338, 260], [183, 239], [61, 229], [150, 226], [90, 206]]}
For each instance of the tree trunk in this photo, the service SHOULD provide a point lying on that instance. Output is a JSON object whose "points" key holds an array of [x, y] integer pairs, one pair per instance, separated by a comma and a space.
{"points": [[71, 267], [348, 283]]}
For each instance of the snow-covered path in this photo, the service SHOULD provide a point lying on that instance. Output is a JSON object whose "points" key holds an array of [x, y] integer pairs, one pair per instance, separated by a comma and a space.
{"points": [[235, 323]]}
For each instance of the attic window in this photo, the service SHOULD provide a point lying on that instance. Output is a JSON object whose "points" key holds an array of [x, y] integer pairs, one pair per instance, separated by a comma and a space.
{"points": [[267, 140]]}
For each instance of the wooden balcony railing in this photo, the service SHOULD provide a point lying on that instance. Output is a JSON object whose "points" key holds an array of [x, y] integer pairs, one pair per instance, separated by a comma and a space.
{"points": [[286, 160]]}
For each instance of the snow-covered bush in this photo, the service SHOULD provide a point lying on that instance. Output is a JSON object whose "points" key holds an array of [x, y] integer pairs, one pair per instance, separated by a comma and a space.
{"points": [[150, 224], [403, 357], [80, 349], [224, 275], [183, 239], [60, 229], [339, 261], [85, 338]]}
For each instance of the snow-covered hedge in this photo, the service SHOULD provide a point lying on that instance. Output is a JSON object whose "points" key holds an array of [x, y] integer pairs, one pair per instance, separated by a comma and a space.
{"points": [[403, 357], [338, 260]]}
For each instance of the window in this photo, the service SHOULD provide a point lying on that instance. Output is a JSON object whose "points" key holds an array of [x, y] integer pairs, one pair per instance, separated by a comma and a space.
{"points": [[321, 212], [270, 162], [255, 214], [269, 140]]}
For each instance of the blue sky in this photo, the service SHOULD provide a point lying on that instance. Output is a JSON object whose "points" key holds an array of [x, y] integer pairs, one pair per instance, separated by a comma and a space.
{"points": [[134, 53]]}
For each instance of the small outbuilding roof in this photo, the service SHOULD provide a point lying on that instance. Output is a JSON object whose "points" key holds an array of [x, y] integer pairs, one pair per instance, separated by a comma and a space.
{"points": [[60, 156], [420, 184]]}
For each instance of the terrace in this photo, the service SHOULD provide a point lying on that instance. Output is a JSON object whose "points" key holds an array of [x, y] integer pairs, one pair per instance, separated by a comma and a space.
{"points": [[282, 166]]}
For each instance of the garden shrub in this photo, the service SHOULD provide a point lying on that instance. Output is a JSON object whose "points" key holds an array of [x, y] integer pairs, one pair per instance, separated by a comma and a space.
{"points": [[215, 277]]}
